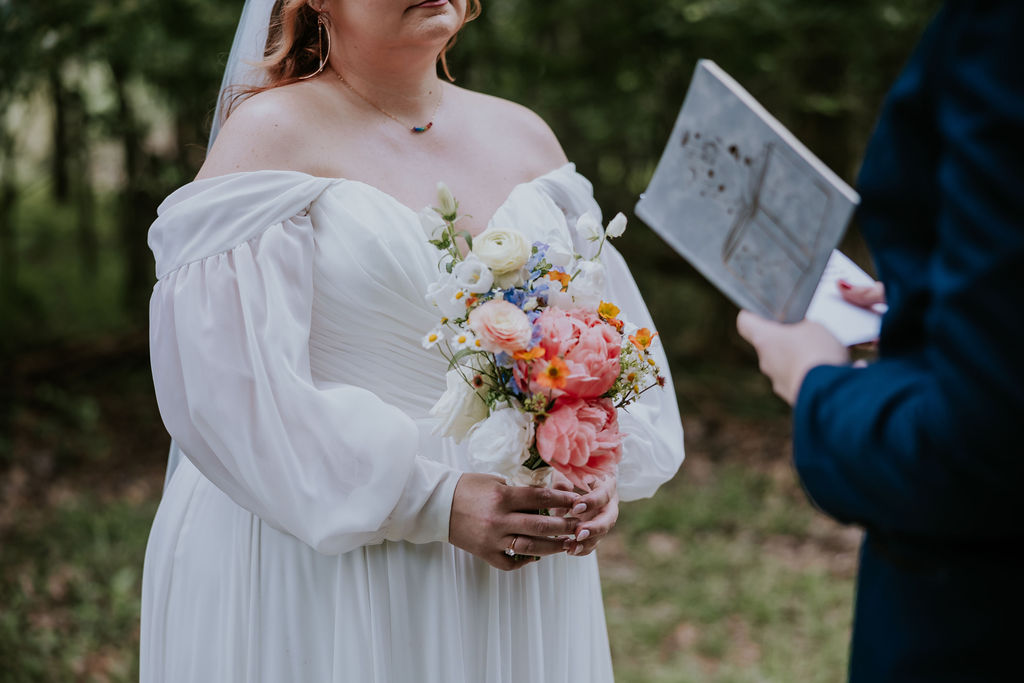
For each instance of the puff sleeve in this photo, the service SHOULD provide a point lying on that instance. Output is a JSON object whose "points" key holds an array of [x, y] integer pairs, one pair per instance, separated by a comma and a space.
{"points": [[333, 465]]}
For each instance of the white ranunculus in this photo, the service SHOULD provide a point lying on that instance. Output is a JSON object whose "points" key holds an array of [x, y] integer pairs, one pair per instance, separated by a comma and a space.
{"points": [[459, 408], [442, 295], [473, 275], [587, 286], [504, 251], [447, 204], [432, 223], [501, 443], [617, 226]]}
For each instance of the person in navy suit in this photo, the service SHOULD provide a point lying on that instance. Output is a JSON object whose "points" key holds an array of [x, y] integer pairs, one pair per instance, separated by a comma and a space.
{"points": [[925, 446]]}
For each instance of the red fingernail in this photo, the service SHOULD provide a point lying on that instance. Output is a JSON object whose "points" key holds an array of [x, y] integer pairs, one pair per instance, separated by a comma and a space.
{"points": [[843, 284]]}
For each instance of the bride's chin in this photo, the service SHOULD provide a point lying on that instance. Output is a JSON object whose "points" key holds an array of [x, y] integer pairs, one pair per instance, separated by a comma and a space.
{"points": [[435, 29]]}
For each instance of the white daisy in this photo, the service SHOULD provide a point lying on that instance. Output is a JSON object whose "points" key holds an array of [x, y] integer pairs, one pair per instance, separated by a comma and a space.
{"points": [[464, 339], [432, 338]]}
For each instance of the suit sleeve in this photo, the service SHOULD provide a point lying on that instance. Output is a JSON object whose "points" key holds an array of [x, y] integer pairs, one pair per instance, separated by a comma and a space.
{"points": [[928, 442]]}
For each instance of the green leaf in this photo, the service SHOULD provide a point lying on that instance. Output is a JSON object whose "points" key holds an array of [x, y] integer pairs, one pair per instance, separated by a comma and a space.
{"points": [[459, 355]]}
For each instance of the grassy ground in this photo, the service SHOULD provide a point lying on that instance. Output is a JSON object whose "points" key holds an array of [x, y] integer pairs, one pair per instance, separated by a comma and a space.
{"points": [[726, 575]]}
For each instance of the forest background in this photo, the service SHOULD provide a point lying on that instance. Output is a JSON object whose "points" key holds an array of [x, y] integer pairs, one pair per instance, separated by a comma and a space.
{"points": [[728, 574]]}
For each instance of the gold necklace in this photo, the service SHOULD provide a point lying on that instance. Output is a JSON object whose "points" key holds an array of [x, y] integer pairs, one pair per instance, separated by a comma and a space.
{"points": [[414, 129]]}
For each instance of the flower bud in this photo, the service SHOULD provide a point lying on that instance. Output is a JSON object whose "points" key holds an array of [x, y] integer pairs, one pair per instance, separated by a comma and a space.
{"points": [[617, 226], [449, 208]]}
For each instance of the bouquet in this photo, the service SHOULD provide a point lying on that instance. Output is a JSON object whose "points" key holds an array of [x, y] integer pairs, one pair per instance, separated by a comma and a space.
{"points": [[539, 365]]}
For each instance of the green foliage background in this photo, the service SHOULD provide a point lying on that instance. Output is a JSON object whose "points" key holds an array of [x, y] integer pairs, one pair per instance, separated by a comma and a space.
{"points": [[104, 110]]}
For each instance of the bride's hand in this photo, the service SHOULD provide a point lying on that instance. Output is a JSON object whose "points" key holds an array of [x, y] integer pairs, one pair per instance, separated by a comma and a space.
{"points": [[488, 516], [596, 511]]}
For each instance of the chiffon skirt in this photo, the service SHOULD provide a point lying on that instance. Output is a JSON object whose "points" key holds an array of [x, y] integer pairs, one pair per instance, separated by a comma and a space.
{"points": [[228, 598]]}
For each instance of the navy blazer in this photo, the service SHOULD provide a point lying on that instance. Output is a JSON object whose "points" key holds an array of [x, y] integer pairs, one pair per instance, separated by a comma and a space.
{"points": [[925, 447]]}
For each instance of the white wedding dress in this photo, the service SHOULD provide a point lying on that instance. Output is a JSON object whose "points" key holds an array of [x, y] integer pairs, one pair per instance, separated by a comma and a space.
{"points": [[302, 537]]}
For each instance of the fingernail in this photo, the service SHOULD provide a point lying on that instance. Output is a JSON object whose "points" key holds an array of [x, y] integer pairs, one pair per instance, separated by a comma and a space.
{"points": [[583, 535], [843, 284], [579, 508]]}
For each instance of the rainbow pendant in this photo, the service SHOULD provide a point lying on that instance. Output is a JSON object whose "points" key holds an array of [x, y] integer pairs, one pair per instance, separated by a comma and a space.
{"points": [[422, 129]]}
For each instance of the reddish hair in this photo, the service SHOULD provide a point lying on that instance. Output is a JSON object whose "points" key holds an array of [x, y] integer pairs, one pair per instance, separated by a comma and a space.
{"points": [[293, 48]]}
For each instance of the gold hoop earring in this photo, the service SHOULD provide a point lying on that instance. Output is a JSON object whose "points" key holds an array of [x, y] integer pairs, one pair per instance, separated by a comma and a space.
{"points": [[321, 29]]}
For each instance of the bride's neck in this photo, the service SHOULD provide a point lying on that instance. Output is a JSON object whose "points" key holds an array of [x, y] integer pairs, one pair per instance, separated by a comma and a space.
{"points": [[403, 84]]}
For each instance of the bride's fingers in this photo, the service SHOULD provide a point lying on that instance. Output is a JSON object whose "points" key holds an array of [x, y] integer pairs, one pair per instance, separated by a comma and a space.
{"points": [[530, 498], [591, 504], [532, 546], [540, 525], [560, 483], [589, 534]]}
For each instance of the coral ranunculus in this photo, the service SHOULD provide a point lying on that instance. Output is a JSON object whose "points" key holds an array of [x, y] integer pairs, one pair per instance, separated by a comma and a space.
{"points": [[501, 326], [581, 438], [588, 345]]}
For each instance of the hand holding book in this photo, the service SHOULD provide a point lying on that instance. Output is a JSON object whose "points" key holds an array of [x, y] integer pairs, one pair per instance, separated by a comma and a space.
{"points": [[753, 210]]}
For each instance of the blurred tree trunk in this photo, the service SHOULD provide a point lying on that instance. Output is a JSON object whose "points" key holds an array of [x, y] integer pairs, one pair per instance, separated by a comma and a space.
{"points": [[133, 214], [8, 195], [84, 197], [59, 160]]}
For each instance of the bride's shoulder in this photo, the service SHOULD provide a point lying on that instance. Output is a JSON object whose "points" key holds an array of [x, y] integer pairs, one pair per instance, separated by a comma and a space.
{"points": [[270, 130], [516, 127]]}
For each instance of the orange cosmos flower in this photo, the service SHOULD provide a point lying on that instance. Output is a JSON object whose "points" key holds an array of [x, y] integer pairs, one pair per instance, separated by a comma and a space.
{"points": [[607, 311], [561, 278], [555, 375], [536, 353], [642, 339]]}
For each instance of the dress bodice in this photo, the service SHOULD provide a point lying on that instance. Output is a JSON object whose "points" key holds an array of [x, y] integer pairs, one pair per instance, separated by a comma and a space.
{"points": [[371, 269]]}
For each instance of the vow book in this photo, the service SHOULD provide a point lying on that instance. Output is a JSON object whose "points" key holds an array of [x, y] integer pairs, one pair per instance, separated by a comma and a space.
{"points": [[741, 199]]}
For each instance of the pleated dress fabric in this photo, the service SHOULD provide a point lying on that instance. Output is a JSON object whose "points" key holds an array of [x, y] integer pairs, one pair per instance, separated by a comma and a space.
{"points": [[302, 532]]}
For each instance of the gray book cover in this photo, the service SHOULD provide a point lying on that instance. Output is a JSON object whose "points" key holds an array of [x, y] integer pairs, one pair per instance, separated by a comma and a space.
{"points": [[741, 199]]}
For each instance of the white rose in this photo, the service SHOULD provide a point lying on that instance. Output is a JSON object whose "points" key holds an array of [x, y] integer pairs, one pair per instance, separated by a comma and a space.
{"points": [[432, 223], [617, 226], [459, 408], [587, 286], [473, 275], [501, 443], [504, 251], [448, 206]]}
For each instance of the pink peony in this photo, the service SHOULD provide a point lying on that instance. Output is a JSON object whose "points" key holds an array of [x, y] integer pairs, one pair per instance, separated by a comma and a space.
{"points": [[500, 326], [580, 438], [588, 345]]}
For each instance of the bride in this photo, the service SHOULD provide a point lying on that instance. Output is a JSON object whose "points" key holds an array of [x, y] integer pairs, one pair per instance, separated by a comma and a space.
{"points": [[312, 528]]}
